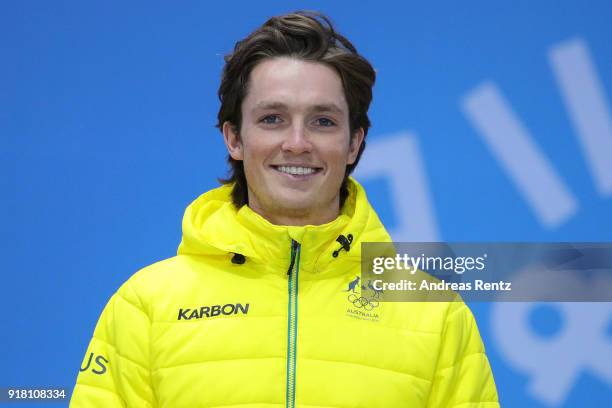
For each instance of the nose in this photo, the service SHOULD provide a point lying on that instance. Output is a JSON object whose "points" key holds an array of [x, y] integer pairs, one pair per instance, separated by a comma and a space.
{"points": [[296, 140]]}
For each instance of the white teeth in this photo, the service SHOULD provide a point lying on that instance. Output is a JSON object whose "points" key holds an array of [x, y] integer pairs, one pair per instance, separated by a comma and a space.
{"points": [[295, 170]]}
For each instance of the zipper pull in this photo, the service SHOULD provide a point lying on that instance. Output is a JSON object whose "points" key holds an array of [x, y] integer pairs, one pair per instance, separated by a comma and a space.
{"points": [[294, 245]]}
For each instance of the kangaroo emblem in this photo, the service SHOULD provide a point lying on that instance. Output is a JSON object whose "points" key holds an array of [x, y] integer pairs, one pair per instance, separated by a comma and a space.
{"points": [[375, 292], [353, 284]]}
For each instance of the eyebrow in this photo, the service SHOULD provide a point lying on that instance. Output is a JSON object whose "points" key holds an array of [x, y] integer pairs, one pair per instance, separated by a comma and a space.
{"points": [[325, 107], [328, 107]]}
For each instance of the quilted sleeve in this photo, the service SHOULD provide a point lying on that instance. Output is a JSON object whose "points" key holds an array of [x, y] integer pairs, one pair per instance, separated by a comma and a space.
{"points": [[115, 371], [463, 375]]}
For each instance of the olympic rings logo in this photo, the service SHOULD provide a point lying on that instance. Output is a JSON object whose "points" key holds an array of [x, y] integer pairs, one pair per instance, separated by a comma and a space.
{"points": [[362, 302]]}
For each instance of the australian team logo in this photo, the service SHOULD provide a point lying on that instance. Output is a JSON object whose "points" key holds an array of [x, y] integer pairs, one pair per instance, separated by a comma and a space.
{"points": [[363, 299]]}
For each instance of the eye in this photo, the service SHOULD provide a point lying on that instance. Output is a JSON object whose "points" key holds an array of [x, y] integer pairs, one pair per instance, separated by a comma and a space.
{"points": [[325, 122], [271, 120]]}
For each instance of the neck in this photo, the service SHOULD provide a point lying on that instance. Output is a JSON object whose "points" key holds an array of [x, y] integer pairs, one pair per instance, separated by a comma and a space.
{"points": [[296, 219], [278, 215]]}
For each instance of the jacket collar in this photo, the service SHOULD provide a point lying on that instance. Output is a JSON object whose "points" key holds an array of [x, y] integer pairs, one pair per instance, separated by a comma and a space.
{"points": [[213, 226]]}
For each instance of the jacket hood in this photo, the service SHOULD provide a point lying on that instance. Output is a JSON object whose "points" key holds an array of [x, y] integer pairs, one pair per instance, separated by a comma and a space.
{"points": [[213, 226]]}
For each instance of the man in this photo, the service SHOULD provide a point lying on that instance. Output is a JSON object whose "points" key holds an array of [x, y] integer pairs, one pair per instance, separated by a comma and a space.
{"points": [[253, 311]]}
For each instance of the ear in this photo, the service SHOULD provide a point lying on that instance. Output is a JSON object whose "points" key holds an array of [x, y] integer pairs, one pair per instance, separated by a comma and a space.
{"points": [[232, 141], [355, 144]]}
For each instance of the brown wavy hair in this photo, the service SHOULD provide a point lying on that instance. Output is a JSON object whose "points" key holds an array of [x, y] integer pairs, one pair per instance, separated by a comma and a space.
{"points": [[309, 36]]}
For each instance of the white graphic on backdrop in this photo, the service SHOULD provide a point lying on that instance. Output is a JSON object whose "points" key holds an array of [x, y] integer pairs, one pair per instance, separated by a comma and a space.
{"points": [[515, 149], [398, 158], [555, 363], [584, 99]]}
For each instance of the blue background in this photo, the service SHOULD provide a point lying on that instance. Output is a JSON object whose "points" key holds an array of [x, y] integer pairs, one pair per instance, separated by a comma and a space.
{"points": [[107, 114]]}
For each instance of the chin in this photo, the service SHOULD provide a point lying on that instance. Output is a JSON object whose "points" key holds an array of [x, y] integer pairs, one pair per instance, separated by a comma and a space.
{"points": [[294, 198]]}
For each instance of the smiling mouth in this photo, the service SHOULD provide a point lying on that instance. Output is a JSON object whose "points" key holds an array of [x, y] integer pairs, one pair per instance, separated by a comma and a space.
{"points": [[297, 170]]}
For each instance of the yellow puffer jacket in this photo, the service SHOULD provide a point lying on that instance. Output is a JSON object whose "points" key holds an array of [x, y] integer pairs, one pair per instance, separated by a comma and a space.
{"points": [[277, 325]]}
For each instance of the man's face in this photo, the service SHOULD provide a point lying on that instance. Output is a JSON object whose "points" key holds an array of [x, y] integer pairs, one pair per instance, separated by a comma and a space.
{"points": [[295, 141]]}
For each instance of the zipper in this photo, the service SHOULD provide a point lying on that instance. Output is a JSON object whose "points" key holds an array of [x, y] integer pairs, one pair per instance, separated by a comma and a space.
{"points": [[292, 283]]}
